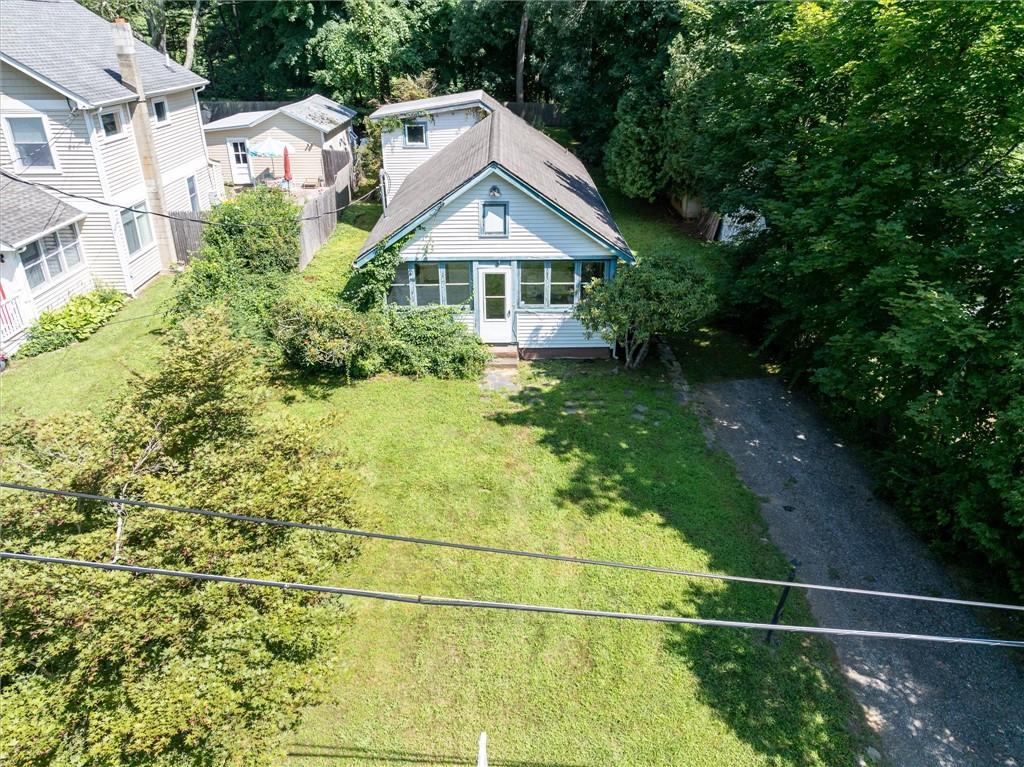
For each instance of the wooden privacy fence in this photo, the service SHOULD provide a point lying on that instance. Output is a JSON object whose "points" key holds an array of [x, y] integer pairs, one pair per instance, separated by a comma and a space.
{"points": [[319, 216], [336, 161]]}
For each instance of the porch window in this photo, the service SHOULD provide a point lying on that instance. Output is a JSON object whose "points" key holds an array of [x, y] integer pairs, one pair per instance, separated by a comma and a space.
{"points": [[136, 227], [415, 134], [428, 284], [457, 283], [399, 291], [494, 219], [563, 283], [531, 283], [589, 271], [31, 146], [47, 258]]}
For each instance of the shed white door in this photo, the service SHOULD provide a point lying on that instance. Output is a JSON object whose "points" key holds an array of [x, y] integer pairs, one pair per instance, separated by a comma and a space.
{"points": [[238, 156], [494, 288]]}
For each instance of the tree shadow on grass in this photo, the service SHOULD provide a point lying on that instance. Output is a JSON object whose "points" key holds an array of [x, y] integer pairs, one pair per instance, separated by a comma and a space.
{"points": [[635, 451]]}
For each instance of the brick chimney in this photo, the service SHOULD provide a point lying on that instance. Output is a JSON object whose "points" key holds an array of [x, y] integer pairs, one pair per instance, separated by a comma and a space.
{"points": [[142, 127]]}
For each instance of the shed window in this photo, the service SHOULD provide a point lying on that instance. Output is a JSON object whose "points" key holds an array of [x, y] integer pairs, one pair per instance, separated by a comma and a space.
{"points": [[458, 288], [28, 135], [415, 134], [111, 122], [49, 257], [428, 284], [531, 283], [399, 292], [137, 230], [494, 219]]}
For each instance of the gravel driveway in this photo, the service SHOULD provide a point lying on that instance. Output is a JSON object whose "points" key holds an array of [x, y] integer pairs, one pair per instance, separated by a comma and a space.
{"points": [[930, 704]]}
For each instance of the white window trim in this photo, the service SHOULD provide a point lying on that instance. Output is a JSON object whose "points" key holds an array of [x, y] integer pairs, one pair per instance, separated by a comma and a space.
{"points": [[195, 185], [9, 139], [167, 111], [143, 246], [49, 281], [121, 121], [405, 135]]}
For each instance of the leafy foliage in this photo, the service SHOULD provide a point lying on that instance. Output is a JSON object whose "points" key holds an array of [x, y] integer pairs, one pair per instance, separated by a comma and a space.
{"points": [[125, 670], [431, 341], [663, 293], [75, 321], [368, 286], [882, 144]]}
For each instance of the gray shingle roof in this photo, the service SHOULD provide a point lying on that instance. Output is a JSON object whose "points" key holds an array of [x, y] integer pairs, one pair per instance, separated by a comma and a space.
{"points": [[317, 111], [27, 212], [74, 48], [435, 103], [504, 140]]}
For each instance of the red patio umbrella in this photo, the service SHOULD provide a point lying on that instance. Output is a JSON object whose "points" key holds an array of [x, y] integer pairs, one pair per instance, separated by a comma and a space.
{"points": [[287, 166]]}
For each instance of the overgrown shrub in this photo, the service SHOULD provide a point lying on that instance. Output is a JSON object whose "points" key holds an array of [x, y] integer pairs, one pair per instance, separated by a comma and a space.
{"points": [[78, 319], [114, 669], [431, 341], [666, 292], [324, 336]]}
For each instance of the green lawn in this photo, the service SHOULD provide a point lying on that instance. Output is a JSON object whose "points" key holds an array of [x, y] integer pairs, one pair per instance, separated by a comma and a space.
{"points": [[444, 459]]}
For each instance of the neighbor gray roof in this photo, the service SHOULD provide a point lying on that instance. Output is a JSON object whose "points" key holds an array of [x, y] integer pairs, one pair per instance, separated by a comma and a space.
{"points": [[435, 103], [501, 140], [72, 47], [316, 111], [27, 213]]}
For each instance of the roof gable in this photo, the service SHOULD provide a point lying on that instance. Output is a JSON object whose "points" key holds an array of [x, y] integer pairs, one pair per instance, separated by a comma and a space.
{"points": [[71, 49], [316, 111], [503, 143]]}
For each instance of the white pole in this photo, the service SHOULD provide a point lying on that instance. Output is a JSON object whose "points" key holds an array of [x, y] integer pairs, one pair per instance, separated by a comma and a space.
{"points": [[481, 754]]}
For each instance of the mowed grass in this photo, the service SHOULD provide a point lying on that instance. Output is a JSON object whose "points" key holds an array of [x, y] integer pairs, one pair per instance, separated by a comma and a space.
{"points": [[628, 477]]}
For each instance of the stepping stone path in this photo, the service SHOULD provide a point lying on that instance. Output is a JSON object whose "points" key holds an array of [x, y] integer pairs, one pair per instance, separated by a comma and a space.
{"points": [[501, 374]]}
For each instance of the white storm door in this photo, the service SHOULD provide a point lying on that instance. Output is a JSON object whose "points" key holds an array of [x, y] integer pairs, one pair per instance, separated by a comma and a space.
{"points": [[494, 289], [238, 156]]}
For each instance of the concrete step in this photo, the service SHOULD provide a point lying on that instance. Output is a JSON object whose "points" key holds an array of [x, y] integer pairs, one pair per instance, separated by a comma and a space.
{"points": [[503, 351], [503, 362]]}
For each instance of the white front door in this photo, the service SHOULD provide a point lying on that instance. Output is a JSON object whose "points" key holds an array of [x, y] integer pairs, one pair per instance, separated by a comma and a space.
{"points": [[238, 156], [494, 288]]}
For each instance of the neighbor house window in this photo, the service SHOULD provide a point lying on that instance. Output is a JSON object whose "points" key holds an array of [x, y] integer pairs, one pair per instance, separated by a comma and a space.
{"points": [[531, 283], [415, 134], [494, 219], [193, 193], [563, 283], [136, 227], [31, 145], [399, 292], [428, 284], [458, 284], [47, 258], [158, 110], [112, 123]]}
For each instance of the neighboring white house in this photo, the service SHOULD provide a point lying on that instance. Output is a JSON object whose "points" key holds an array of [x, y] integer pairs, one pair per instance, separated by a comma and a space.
{"points": [[500, 220], [90, 124], [307, 128]]}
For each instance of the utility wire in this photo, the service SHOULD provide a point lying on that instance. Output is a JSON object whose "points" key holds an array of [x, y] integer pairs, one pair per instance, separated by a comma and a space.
{"points": [[504, 551], [432, 601], [98, 201]]}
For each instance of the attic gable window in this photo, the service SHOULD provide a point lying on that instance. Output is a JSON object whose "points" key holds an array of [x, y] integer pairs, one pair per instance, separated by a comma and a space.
{"points": [[415, 134], [494, 219]]}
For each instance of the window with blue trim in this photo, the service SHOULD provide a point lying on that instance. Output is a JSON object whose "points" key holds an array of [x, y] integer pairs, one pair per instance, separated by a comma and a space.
{"points": [[556, 284], [494, 219], [430, 283]]}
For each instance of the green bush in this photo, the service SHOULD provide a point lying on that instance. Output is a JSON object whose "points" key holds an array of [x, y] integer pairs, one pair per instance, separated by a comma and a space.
{"points": [[260, 228], [78, 319], [323, 336], [431, 341], [113, 669]]}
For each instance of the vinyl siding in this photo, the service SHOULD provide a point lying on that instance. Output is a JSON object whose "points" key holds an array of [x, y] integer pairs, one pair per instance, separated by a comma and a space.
{"points": [[534, 230], [144, 266], [79, 280], [100, 244], [552, 330], [302, 140], [337, 139], [120, 157], [442, 129], [179, 141]]}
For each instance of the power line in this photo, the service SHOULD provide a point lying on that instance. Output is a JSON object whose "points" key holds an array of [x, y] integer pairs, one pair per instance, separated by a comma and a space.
{"points": [[432, 601], [115, 205], [504, 551]]}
